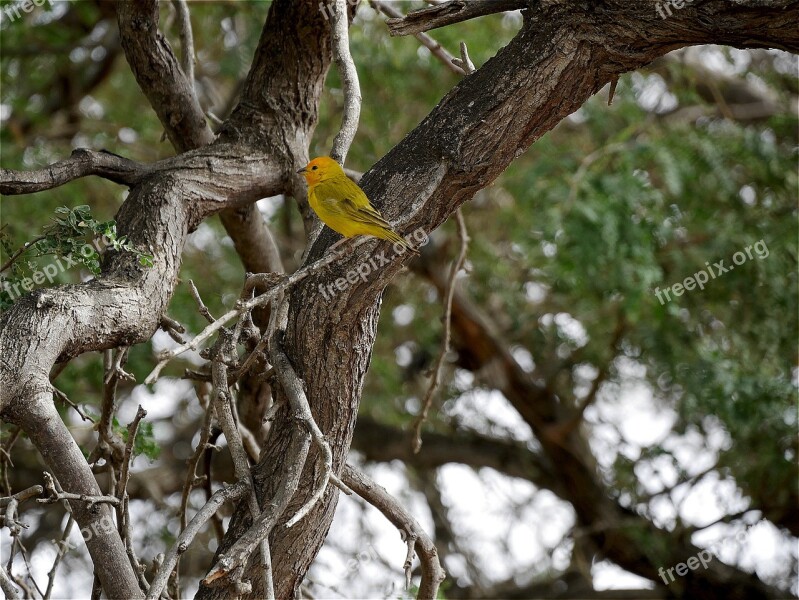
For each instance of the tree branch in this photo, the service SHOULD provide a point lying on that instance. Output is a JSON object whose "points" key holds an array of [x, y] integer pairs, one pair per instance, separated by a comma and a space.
{"points": [[377, 496], [380, 442], [40, 420], [81, 163], [160, 77], [7, 586], [448, 13], [349, 79], [435, 379], [229, 493], [435, 48], [187, 56]]}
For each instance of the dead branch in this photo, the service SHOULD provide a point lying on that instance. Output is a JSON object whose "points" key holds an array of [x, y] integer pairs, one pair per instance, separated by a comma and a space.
{"points": [[377, 496], [435, 379], [448, 13], [229, 493], [187, 56], [428, 42]]}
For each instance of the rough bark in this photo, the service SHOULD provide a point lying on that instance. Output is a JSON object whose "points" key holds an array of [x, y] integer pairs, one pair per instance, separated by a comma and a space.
{"points": [[562, 56], [564, 53]]}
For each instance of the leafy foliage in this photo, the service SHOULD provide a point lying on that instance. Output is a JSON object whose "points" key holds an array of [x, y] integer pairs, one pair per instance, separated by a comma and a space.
{"points": [[572, 241], [75, 236]]}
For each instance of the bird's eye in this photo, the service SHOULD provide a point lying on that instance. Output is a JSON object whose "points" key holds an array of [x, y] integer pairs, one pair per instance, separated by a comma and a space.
{"points": [[313, 168]]}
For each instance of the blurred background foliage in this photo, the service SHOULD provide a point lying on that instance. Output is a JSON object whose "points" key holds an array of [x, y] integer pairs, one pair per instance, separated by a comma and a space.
{"points": [[567, 247]]}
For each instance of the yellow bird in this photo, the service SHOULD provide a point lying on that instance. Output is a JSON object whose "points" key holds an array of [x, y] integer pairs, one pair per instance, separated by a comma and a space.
{"points": [[342, 205]]}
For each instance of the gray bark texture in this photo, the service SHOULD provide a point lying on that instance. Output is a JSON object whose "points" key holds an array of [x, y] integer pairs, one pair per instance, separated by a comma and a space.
{"points": [[564, 53]]}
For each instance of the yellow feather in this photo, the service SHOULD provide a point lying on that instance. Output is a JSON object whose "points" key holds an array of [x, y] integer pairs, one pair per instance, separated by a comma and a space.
{"points": [[342, 205]]}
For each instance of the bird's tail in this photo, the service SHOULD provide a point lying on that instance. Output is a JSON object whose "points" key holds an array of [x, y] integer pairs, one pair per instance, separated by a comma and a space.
{"points": [[393, 236]]}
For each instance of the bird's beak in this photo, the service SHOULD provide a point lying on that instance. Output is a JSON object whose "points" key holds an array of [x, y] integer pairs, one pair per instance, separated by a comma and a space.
{"points": [[301, 170]]}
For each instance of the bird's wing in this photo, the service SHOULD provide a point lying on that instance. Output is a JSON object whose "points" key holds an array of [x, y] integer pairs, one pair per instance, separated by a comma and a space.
{"points": [[348, 200], [364, 214]]}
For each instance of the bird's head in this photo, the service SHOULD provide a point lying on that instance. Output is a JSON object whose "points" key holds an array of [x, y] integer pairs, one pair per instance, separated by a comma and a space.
{"points": [[321, 168]]}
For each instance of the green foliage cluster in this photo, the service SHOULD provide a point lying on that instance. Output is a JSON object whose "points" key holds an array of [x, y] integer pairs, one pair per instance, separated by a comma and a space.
{"points": [[616, 202], [75, 235]]}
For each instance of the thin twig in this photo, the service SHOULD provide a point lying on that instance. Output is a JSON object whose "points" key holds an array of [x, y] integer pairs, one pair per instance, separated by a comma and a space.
{"points": [[17, 543], [123, 512], [464, 62], [435, 380], [7, 586], [377, 496], [173, 329], [63, 397], [11, 503], [234, 559], [428, 42], [302, 411], [55, 494], [62, 550], [224, 351], [203, 309], [242, 307], [230, 493], [26, 494], [18, 253], [109, 444], [5, 457], [192, 480], [410, 541], [115, 369], [133, 428]]}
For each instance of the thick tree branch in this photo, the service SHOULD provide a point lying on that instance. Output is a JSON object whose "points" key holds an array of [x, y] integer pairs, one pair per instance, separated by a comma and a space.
{"points": [[179, 111], [81, 163], [564, 53], [160, 77], [39, 418], [177, 107], [561, 57], [380, 442], [7, 586]]}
